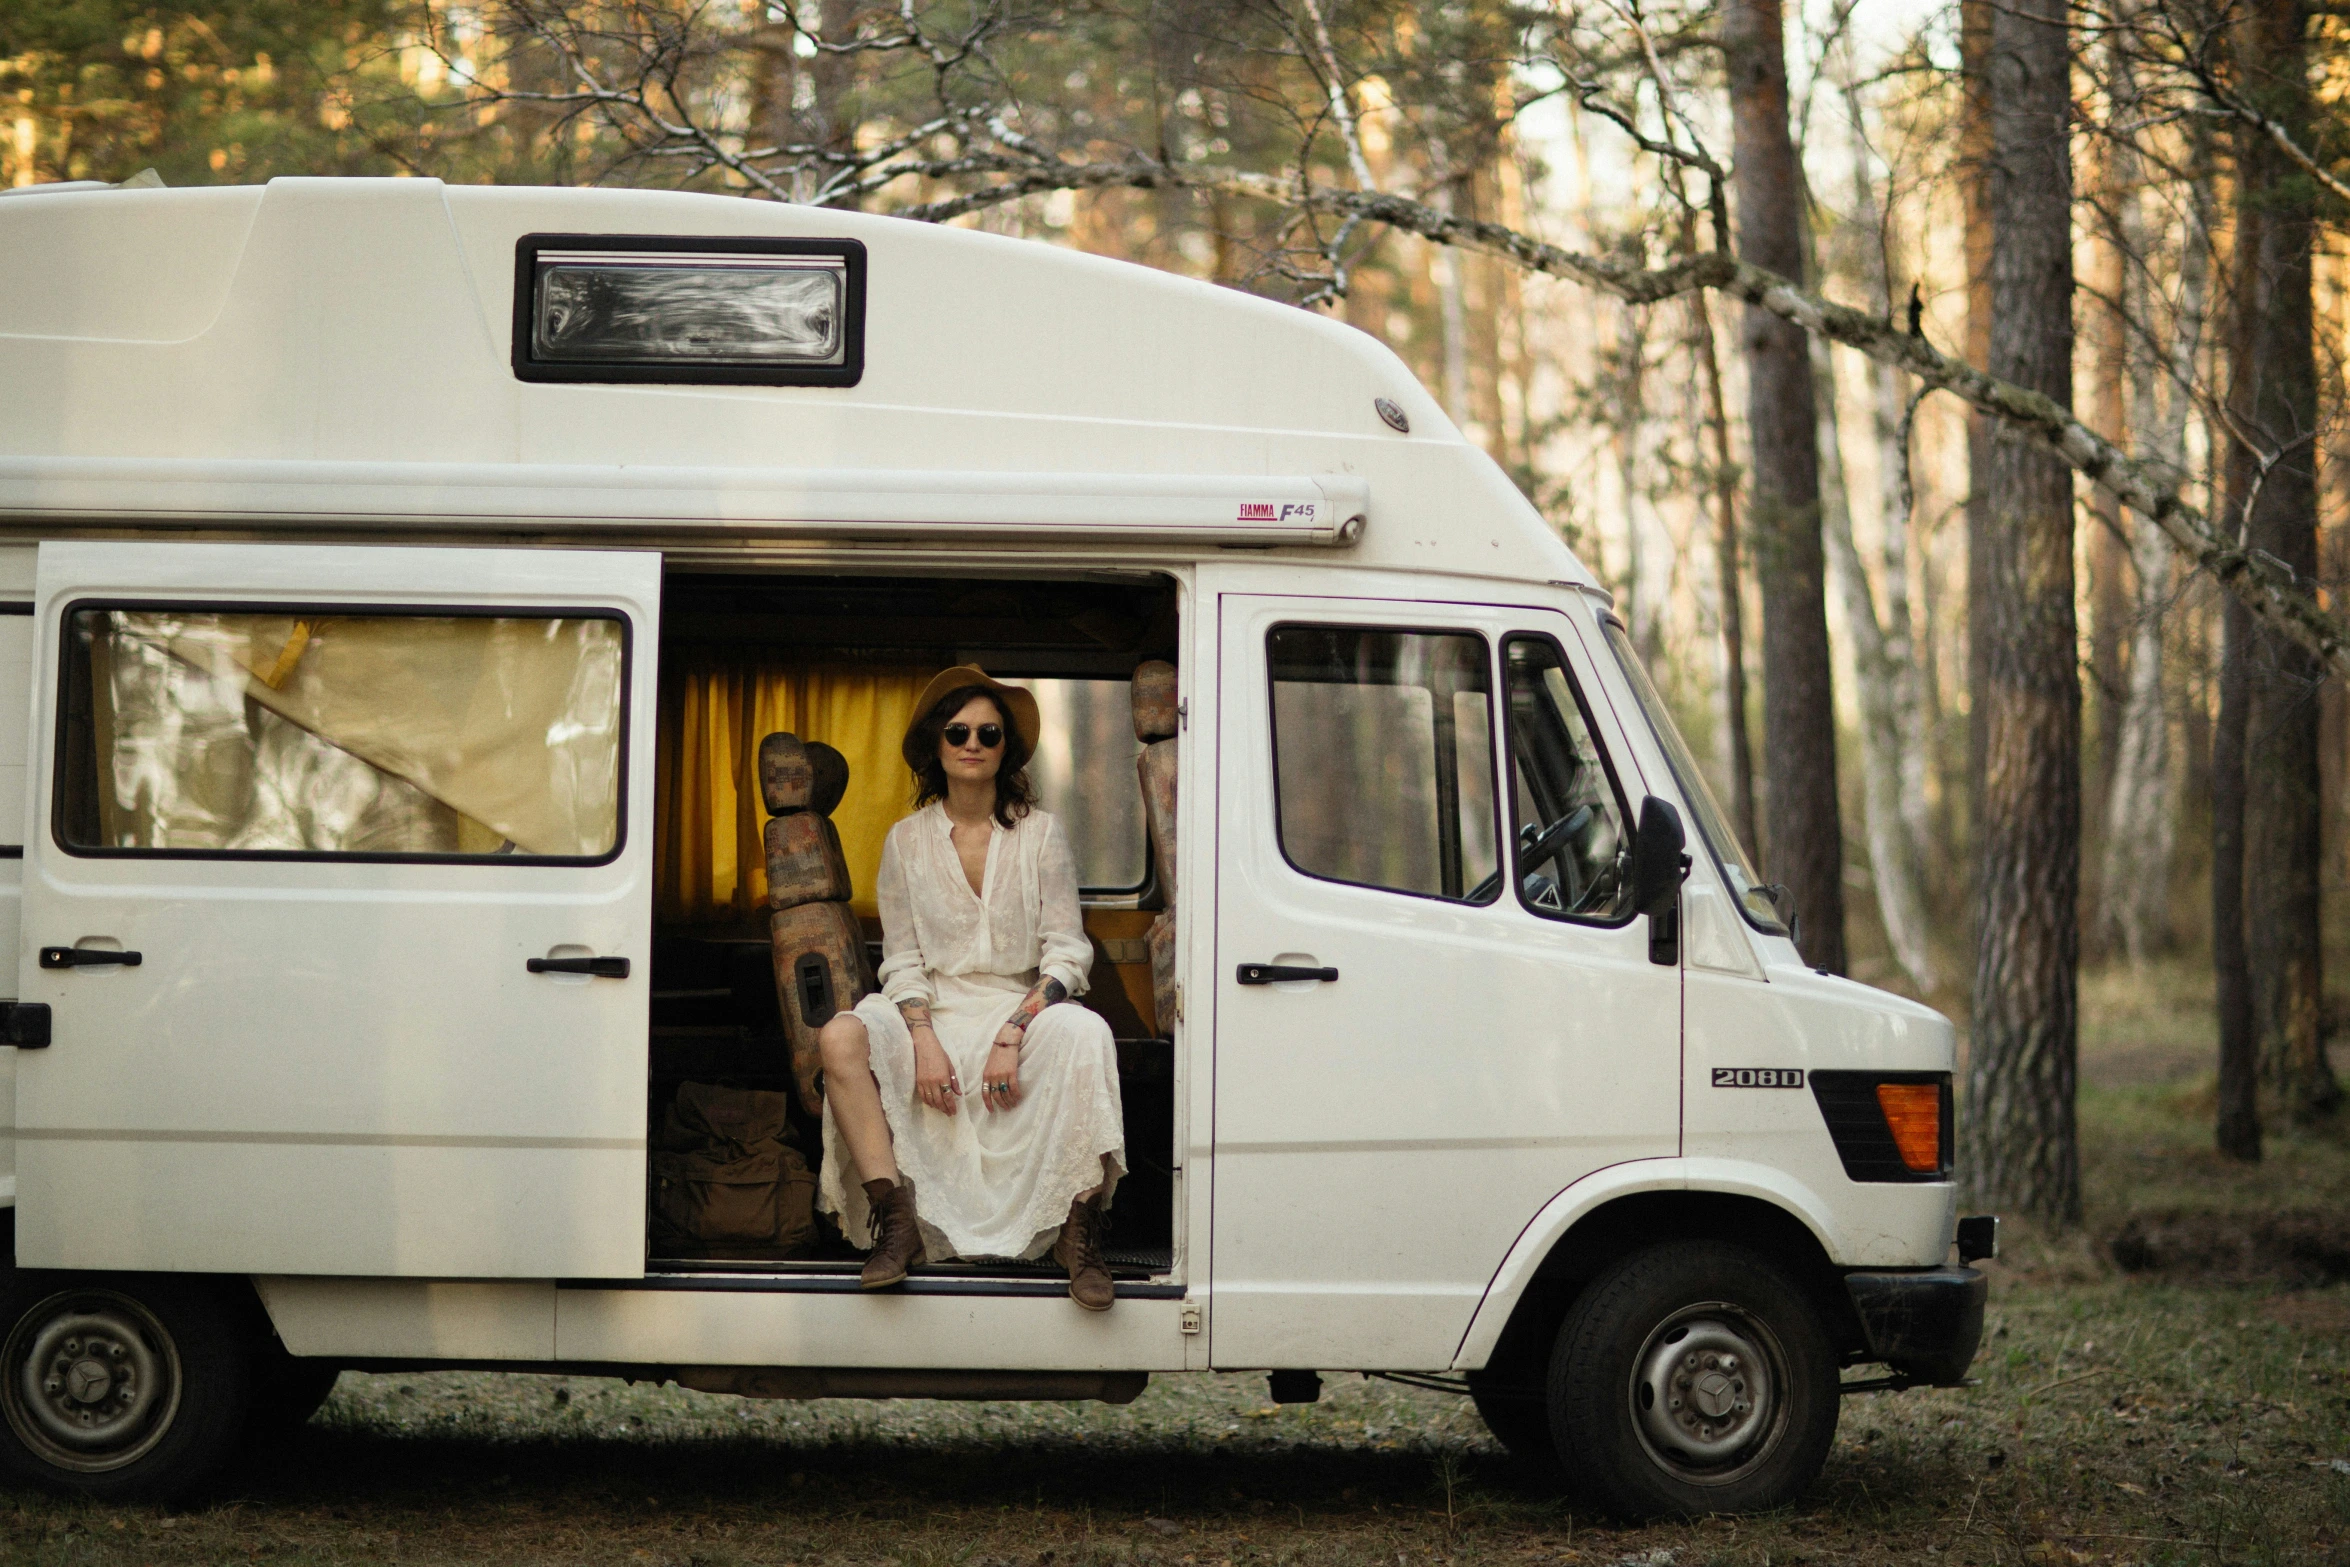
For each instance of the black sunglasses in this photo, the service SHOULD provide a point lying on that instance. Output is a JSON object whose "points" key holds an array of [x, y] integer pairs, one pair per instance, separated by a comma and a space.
{"points": [[990, 735]]}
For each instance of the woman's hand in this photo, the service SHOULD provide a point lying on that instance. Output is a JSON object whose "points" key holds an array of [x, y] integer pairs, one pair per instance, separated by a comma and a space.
{"points": [[934, 1074], [999, 1087]]}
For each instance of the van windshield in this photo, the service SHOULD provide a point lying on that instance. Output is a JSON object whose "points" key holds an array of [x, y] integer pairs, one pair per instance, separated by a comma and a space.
{"points": [[1753, 900]]}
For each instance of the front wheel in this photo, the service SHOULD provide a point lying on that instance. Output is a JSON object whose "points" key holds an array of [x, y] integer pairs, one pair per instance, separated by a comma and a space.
{"points": [[1693, 1378], [129, 1389]]}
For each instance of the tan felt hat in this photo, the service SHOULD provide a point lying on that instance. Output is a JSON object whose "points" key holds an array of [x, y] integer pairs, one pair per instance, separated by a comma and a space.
{"points": [[1019, 704]]}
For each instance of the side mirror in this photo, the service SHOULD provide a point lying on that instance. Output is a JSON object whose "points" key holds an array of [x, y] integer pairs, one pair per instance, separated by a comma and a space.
{"points": [[1659, 862]]}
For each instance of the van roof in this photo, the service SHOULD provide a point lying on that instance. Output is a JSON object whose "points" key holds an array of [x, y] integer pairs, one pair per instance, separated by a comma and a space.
{"points": [[336, 351]]}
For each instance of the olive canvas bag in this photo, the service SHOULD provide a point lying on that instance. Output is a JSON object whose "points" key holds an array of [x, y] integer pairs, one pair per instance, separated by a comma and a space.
{"points": [[723, 1173]]}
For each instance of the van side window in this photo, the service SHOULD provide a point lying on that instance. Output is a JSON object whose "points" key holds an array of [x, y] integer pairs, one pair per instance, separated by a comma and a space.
{"points": [[1566, 811], [1383, 758], [316, 735]]}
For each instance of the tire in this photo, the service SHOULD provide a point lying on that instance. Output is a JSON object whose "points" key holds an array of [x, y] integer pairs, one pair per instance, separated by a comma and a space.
{"points": [[121, 1387], [1671, 1336], [1517, 1414]]}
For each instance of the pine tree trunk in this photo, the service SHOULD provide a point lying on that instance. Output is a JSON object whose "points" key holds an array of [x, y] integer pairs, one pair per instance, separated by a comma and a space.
{"points": [[1974, 153], [833, 116], [1627, 422], [2283, 808], [1892, 706], [2237, 1128], [1914, 722], [1804, 842], [1727, 574], [2111, 603], [1893, 865], [2140, 816], [2021, 1149]]}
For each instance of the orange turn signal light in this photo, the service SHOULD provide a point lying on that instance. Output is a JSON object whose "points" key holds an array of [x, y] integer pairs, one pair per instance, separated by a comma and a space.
{"points": [[1914, 1113]]}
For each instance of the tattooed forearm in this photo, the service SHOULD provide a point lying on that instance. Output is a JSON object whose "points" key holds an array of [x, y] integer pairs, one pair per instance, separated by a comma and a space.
{"points": [[916, 1014], [1044, 994]]}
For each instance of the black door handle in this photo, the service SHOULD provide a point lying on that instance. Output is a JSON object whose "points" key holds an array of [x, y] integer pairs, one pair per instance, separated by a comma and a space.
{"points": [[600, 968], [86, 957], [1274, 973]]}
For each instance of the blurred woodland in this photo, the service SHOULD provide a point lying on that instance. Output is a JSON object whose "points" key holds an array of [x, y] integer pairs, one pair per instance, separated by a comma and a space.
{"points": [[1951, 393]]}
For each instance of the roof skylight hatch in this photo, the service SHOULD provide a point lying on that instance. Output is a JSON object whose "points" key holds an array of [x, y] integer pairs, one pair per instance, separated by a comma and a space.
{"points": [[738, 311]]}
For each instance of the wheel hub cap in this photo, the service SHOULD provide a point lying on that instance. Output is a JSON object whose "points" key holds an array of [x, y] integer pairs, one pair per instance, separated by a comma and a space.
{"points": [[91, 1381], [1703, 1393], [86, 1382]]}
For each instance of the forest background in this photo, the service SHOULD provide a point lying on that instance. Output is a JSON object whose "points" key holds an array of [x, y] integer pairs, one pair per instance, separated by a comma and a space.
{"points": [[1951, 395]]}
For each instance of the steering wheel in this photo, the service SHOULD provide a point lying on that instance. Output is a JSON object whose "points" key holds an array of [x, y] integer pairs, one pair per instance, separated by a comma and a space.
{"points": [[1536, 845], [1601, 890]]}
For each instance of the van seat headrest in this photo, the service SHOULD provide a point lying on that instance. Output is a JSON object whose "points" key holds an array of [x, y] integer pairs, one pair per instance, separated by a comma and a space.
{"points": [[1154, 701], [800, 775]]}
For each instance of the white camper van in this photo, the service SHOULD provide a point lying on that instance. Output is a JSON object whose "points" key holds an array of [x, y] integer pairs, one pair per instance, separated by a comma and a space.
{"points": [[397, 583]]}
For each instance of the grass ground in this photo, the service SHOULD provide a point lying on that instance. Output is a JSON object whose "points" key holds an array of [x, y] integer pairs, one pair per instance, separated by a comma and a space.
{"points": [[2119, 1418]]}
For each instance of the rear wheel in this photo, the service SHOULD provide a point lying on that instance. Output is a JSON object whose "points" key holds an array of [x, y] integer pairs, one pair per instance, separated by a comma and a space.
{"points": [[1693, 1378], [120, 1388]]}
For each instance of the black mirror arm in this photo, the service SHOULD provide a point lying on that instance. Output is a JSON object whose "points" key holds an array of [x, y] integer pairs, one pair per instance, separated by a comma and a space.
{"points": [[1660, 863]]}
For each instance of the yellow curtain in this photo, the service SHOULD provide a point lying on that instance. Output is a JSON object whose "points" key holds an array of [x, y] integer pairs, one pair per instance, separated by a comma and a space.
{"points": [[716, 706]]}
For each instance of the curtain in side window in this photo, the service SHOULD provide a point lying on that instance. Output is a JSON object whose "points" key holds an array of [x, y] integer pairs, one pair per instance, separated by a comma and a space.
{"points": [[456, 734]]}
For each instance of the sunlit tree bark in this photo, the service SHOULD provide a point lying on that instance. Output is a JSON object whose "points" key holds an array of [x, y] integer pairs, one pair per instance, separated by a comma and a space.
{"points": [[2020, 1144], [1803, 839], [1893, 727], [2277, 403], [2141, 816]]}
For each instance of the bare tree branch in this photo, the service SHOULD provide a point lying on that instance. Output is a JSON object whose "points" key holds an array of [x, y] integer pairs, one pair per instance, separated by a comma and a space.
{"points": [[2193, 56], [969, 144]]}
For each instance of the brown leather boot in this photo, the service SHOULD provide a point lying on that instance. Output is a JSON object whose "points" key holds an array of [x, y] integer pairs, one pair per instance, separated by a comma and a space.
{"points": [[1079, 1249], [897, 1239]]}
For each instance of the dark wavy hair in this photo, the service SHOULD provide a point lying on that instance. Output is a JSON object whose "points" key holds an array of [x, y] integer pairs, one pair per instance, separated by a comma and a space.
{"points": [[1015, 796]]}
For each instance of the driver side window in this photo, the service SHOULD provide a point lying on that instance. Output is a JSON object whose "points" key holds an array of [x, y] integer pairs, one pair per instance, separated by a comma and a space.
{"points": [[1570, 843]]}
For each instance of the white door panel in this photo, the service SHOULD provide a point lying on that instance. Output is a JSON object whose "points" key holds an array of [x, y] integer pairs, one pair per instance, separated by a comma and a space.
{"points": [[327, 1064], [1381, 1139]]}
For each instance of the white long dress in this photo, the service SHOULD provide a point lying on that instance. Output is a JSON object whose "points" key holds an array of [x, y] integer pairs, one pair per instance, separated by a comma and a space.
{"points": [[987, 1183]]}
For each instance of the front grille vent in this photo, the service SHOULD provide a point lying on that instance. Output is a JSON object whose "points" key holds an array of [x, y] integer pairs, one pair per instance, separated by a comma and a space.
{"points": [[1856, 1122]]}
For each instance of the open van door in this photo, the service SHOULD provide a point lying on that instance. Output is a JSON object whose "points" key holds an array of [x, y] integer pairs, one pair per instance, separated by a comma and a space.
{"points": [[338, 889]]}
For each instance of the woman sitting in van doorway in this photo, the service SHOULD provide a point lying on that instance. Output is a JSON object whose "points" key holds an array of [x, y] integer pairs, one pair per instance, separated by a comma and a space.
{"points": [[971, 1077]]}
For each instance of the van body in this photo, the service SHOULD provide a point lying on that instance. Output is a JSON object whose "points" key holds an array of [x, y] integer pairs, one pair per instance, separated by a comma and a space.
{"points": [[1473, 1054]]}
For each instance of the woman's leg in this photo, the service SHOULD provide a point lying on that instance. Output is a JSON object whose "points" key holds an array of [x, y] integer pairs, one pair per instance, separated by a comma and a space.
{"points": [[856, 1098], [1079, 1051], [1091, 1192]]}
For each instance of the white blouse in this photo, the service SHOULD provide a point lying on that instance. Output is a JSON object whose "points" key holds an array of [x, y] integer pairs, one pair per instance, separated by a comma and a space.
{"points": [[932, 923]]}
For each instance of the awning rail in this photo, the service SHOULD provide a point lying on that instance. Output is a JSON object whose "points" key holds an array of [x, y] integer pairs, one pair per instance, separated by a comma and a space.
{"points": [[740, 503]]}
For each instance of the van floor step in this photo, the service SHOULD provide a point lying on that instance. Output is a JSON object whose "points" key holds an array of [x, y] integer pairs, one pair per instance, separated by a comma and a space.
{"points": [[1138, 1262]]}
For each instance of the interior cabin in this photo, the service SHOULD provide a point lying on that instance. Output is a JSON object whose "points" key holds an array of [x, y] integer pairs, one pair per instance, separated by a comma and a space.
{"points": [[839, 661]]}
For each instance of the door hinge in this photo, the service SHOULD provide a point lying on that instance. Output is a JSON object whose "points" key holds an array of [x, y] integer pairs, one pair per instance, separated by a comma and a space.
{"points": [[1182, 712], [1178, 1001], [24, 1024], [1191, 1316]]}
